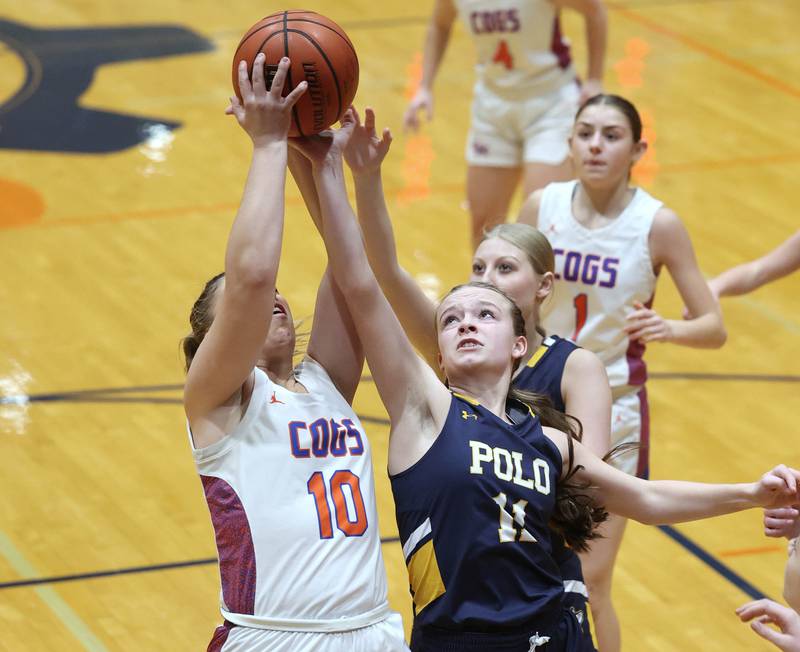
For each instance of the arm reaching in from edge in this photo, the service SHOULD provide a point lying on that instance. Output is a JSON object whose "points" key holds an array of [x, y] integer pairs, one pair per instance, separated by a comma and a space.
{"points": [[364, 154]]}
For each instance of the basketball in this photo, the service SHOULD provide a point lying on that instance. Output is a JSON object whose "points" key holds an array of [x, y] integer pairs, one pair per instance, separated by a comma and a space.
{"points": [[320, 53]]}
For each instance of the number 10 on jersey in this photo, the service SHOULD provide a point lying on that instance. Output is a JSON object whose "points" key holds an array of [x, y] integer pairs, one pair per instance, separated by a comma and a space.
{"points": [[351, 516]]}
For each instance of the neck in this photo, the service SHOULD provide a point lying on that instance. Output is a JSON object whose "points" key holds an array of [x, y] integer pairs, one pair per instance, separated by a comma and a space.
{"points": [[609, 202], [490, 394], [280, 371], [534, 338]]}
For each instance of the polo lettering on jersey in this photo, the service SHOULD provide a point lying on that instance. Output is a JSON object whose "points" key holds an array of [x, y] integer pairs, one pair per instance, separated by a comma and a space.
{"points": [[509, 466], [490, 22], [324, 437], [587, 268]]}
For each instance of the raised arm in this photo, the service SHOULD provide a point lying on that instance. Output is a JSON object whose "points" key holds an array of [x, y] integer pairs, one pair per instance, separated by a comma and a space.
{"points": [[670, 245], [334, 341], [436, 39], [596, 20], [587, 396], [416, 401], [364, 154], [243, 309], [746, 277], [656, 502]]}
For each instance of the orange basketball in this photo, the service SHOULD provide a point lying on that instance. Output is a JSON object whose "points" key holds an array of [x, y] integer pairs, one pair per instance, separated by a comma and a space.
{"points": [[320, 53]]}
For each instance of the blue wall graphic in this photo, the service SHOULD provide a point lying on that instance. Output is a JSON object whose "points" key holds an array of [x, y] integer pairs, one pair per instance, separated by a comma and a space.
{"points": [[60, 64]]}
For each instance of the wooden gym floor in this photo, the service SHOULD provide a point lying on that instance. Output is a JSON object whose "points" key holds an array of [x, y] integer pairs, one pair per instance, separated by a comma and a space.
{"points": [[111, 220]]}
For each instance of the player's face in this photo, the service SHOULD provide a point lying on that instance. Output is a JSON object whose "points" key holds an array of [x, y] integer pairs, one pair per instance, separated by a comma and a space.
{"points": [[602, 146], [500, 263], [281, 333], [281, 326], [476, 331]]}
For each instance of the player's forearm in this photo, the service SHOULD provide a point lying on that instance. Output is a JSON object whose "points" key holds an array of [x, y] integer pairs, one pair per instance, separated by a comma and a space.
{"points": [[254, 243], [738, 280], [376, 225], [412, 307], [596, 35], [303, 175], [704, 332], [436, 40], [674, 501], [346, 255]]}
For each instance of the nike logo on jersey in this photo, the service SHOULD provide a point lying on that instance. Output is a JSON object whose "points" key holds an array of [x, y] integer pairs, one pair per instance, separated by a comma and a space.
{"points": [[468, 415], [275, 400], [509, 466]]}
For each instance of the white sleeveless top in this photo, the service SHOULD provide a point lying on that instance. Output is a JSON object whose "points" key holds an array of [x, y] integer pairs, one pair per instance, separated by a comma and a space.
{"points": [[521, 51], [292, 499], [600, 273]]}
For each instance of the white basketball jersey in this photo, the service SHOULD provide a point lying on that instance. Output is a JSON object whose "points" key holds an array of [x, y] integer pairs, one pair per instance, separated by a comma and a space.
{"points": [[600, 273], [292, 499], [521, 51]]}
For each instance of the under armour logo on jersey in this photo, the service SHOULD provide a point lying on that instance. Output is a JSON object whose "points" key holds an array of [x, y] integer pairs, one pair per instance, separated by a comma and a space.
{"points": [[468, 415], [551, 229], [273, 399]]}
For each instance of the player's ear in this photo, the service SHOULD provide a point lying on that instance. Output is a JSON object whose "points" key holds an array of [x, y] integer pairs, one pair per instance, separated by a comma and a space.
{"points": [[545, 286]]}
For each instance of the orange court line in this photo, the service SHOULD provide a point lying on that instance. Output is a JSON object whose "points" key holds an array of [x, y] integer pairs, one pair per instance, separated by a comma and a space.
{"points": [[734, 63], [391, 194], [743, 552]]}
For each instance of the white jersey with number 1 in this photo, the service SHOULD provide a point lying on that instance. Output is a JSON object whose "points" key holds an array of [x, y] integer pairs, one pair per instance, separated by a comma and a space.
{"points": [[292, 500], [600, 273]]}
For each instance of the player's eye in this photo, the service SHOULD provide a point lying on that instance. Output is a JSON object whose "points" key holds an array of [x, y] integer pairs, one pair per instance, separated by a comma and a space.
{"points": [[477, 268], [486, 313]]}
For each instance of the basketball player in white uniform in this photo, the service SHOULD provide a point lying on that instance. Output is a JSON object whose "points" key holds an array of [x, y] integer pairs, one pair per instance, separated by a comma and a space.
{"points": [[284, 461], [611, 241], [525, 96]]}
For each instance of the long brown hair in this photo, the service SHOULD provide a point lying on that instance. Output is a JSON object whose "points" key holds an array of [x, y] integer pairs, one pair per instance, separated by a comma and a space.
{"points": [[576, 514], [200, 319]]}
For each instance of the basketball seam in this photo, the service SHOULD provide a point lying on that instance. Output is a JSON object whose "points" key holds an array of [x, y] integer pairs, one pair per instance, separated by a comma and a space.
{"points": [[330, 66], [289, 72], [341, 35]]}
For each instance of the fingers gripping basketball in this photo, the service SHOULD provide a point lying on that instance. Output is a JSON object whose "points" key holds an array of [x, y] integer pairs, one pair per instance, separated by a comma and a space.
{"points": [[321, 54]]}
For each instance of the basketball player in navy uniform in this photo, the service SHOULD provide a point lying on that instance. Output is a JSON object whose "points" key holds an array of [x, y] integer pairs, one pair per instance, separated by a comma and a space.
{"points": [[519, 260], [475, 475]]}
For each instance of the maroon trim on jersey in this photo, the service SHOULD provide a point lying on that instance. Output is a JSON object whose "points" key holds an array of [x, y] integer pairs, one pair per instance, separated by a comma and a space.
{"points": [[637, 369], [643, 466], [237, 555], [220, 636], [558, 45]]}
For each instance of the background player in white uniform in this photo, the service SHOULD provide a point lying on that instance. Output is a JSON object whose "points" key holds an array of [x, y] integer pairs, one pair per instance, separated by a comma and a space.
{"points": [[525, 95], [284, 462], [611, 241], [481, 337]]}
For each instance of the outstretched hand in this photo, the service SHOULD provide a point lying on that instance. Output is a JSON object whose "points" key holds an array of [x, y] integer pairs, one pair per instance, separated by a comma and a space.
{"points": [[422, 101], [263, 113], [767, 612], [329, 145], [778, 487], [365, 151]]}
